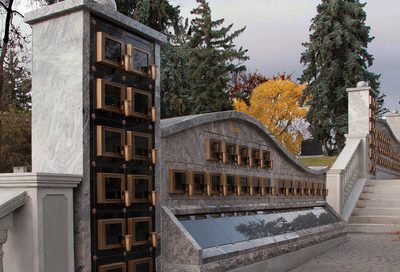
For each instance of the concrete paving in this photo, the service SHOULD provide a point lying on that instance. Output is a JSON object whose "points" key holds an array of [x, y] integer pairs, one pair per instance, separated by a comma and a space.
{"points": [[362, 253]]}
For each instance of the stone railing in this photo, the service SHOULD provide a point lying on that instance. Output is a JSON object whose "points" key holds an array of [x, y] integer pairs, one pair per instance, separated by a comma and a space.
{"points": [[347, 176], [9, 202], [41, 235]]}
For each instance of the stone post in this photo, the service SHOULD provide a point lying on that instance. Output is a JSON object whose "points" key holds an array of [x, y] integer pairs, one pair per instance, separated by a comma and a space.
{"points": [[41, 237], [359, 119], [334, 185], [3, 240], [358, 108], [9, 204]]}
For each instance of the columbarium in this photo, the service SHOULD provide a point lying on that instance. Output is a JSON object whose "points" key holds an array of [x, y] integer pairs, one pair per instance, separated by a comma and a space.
{"points": [[95, 113], [113, 189]]}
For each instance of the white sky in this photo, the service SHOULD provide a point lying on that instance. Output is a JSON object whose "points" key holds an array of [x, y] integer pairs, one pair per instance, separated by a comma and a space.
{"points": [[276, 29]]}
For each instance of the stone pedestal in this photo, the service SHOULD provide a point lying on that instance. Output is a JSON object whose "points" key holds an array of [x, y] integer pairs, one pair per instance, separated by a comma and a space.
{"points": [[359, 121], [358, 107], [41, 237]]}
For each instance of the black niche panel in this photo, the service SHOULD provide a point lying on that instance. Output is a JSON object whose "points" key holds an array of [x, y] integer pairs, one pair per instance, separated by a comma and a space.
{"points": [[121, 144]]}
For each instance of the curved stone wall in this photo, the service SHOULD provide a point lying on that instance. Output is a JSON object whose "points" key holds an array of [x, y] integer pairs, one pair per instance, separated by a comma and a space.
{"points": [[212, 195]]}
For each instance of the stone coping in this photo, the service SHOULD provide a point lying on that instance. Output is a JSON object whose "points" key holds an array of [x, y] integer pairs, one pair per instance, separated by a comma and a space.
{"points": [[386, 124], [358, 89], [266, 247], [35, 180], [194, 209], [10, 201], [69, 6], [172, 126], [308, 236]]}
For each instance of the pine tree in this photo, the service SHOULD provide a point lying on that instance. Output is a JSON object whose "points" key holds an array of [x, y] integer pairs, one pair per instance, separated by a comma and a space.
{"points": [[213, 59], [336, 58], [157, 14], [175, 85]]}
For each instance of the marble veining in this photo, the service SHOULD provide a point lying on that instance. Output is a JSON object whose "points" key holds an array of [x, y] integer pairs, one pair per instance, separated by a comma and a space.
{"points": [[57, 128]]}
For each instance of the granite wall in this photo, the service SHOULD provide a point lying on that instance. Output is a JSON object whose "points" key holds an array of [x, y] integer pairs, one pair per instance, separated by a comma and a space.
{"points": [[185, 149], [182, 147]]}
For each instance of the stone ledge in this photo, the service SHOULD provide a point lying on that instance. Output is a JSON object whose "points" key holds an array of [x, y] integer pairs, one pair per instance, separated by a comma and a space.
{"points": [[193, 209], [10, 202], [36, 180], [299, 239]]}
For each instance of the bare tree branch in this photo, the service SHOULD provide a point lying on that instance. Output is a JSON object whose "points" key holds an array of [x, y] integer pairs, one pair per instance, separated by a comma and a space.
{"points": [[19, 13]]}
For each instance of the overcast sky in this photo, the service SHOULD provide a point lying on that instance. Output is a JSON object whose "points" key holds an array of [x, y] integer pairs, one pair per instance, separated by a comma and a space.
{"points": [[275, 30]]}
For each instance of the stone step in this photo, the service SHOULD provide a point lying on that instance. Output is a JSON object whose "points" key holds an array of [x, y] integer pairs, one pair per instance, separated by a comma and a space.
{"points": [[375, 219], [378, 203], [382, 185], [382, 188], [390, 193], [376, 211], [389, 197], [373, 228], [388, 181]]}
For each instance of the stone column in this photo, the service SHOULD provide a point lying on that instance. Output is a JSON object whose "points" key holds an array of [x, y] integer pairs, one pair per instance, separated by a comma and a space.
{"points": [[61, 99], [334, 184], [41, 237], [358, 107], [358, 120]]}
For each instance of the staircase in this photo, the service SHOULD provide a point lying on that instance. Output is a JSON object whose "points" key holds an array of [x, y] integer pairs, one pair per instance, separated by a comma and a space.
{"points": [[378, 208]]}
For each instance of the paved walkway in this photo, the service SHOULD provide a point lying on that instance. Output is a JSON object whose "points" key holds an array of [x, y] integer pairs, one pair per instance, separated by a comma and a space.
{"points": [[362, 253]]}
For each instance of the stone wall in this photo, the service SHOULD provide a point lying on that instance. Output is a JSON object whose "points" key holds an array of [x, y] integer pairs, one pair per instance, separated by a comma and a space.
{"points": [[183, 147]]}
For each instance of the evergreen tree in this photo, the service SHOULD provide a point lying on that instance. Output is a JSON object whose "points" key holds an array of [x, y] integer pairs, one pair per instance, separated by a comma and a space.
{"points": [[336, 58], [157, 14], [175, 84], [213, 59]]}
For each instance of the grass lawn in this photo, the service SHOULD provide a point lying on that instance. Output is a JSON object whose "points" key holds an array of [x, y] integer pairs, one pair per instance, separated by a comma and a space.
{"points": [[318, 161]]}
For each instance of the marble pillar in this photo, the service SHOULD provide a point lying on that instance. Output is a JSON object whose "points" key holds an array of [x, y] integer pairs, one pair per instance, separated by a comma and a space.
{"points": [[61, 99], [358, 106], [40, 233]]}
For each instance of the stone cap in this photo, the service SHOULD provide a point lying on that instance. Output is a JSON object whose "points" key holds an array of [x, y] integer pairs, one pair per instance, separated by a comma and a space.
{"points": [[39, 180], [94, 7], [10, 201], [391, 132]]}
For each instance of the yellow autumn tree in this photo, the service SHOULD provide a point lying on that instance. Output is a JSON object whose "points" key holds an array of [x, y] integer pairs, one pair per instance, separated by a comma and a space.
{"points": [[275, 104]]}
